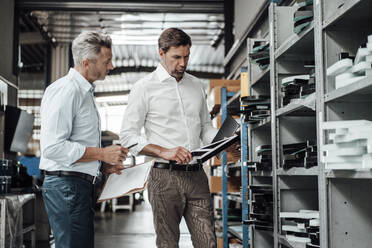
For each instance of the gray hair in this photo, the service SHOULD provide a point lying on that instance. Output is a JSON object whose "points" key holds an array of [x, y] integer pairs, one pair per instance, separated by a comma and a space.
{"points": [[87, 45]]}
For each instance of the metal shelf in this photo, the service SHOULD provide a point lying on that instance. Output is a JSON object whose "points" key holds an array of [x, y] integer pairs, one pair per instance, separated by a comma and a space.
{"points": [[288, 53], [283, 240], [298, 171], [352, 92], [347, 13], [234, 165], [234, 232], [232, 52], [262, 173], [262, 123], [264, 76], [299, 108], [237, 95], [234, 197], [350, 174], [298, 44]]}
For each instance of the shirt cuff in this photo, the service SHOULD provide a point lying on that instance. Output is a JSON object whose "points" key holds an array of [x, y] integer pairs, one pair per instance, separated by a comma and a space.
{"points": [[76, 153], [142, 142]]}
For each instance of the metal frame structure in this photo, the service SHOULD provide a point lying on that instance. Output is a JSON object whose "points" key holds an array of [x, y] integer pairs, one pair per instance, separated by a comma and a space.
{"points": [[245, 180], [4, 201], [253, 134], [207, 6], [225, 201], [296, 188], [339, 27], [342, 197]]}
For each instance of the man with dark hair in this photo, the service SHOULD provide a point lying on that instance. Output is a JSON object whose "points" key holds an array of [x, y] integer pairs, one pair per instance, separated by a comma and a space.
{"points": [[70, 143], [173, 37], [170, 104]]}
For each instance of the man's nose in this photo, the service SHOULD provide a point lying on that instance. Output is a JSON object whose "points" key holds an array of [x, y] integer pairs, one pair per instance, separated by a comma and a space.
{"points": [[183, 63], [110, 66]]}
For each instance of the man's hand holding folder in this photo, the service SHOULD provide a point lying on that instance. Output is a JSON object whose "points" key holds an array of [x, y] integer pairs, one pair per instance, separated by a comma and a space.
{"points": [[116, 168]]}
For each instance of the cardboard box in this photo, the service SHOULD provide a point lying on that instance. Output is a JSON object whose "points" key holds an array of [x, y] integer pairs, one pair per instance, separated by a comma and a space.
{"points": [[216, 122], [231, 241], [233, 184], [219, 242], [223, 82], [214, 97], [244, 85]]}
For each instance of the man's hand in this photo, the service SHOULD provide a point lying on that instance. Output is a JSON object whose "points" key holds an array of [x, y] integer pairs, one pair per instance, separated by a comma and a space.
{"points": [[114, 155], [109, 169], [179, 154], [234, 148]]}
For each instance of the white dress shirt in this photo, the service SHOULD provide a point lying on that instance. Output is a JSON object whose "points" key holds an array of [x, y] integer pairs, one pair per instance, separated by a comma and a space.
{"points": [[70, 122], [172, 113]]}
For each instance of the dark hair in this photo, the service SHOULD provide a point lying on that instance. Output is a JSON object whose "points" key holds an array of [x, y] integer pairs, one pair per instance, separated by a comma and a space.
{"points": [[173, 37]]}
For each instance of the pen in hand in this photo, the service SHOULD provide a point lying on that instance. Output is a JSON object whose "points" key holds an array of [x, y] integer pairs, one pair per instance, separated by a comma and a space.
{"points": [[131, 146]]}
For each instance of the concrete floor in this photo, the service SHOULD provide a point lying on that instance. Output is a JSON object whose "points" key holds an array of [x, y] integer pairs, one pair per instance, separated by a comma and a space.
{"points": [[131, 230]]}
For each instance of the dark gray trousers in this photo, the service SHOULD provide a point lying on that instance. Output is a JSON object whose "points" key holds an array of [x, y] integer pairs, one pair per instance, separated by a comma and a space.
{"points": [[177, 194]]}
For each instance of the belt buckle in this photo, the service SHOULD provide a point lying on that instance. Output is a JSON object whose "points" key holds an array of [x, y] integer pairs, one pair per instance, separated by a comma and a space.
{"points": [[94, 180]]}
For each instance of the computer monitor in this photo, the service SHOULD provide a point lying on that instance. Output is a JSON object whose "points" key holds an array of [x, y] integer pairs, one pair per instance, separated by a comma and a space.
{"points": [[18, 129]]}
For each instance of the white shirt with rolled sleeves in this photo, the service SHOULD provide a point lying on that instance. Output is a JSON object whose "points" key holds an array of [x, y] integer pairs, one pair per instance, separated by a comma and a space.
{"points": [[172, 113], [70, 122]]}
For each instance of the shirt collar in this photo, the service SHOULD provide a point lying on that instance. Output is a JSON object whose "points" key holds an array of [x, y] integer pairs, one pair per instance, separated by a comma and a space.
{"points": [[163, 75], [83, 82]]}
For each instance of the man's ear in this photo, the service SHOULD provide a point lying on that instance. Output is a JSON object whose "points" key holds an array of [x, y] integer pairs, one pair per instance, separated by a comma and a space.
{"points": [[85, 63], [161, 52]]}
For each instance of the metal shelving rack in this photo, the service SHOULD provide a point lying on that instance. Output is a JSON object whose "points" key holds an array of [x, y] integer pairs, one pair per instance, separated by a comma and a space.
{"points": [[345, 203], [342, 197], [235, 58], [225, 195], [258, 134], [297, 188]]}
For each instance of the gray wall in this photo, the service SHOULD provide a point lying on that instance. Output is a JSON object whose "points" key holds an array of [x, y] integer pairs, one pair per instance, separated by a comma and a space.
{"points": [[6, 47], [6, 41], [245, 12]]}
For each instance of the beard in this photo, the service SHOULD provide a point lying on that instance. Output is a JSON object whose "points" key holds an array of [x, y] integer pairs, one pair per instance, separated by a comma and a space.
{"points": [[178, 74]]}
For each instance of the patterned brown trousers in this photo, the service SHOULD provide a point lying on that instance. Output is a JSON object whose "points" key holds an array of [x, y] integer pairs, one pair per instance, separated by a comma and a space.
{"points": [[177, 194]]}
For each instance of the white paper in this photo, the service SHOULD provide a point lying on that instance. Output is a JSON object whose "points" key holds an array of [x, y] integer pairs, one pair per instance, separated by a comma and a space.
{"points": [[130, 180]]}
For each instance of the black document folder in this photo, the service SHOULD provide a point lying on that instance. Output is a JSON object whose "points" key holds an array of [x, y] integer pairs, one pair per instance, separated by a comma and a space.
{"points": [[228, 128], [224, 138]]}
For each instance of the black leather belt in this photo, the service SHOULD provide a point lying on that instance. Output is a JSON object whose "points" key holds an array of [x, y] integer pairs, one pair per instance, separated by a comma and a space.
{"points": [[179, 167], [81, 175]]}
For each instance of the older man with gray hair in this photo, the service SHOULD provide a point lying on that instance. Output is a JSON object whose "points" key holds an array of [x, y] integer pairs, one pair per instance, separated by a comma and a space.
{"points": [[70, 143]]}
